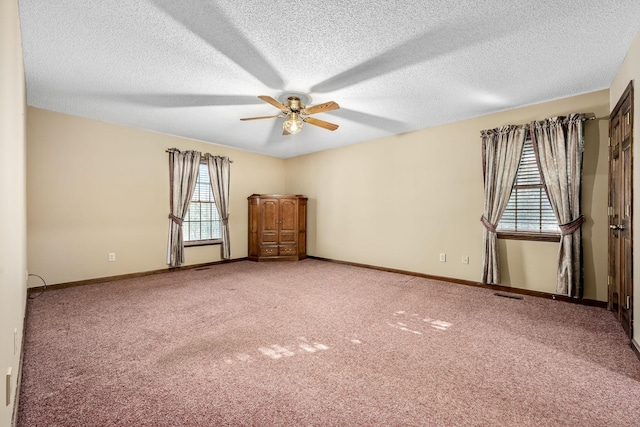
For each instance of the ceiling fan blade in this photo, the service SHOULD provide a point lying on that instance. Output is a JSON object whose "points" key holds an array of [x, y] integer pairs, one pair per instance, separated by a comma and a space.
{"points": [[320, 123], [262, 117], [321, 108], [275, 103]]}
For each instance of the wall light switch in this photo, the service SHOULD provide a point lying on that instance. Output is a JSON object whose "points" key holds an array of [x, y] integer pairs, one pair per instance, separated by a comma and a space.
{"points": [[465, 259], [443, 257], [112, 256], [8, 387]]}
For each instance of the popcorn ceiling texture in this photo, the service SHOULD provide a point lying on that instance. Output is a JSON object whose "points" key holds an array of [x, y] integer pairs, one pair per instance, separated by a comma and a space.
{"points": [[195, 68]]}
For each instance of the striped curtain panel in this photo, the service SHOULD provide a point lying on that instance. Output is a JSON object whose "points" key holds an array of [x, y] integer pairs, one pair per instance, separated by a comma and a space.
{"points": [[219, 175], [501, 152], [559, 144], [183, 172]]}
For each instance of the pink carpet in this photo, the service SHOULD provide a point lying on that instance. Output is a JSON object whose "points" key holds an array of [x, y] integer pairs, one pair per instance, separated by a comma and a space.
{"points": [[323, 344]]}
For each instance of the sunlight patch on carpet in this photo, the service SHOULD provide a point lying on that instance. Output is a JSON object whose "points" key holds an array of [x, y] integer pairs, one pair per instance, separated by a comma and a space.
{"points": [[414, 322], [403, 327], [277, 351]]}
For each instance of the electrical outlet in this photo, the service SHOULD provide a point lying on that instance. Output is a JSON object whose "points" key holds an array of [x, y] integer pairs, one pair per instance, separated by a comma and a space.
{"points": [[112, 256], [465, 259], [443, 257]]}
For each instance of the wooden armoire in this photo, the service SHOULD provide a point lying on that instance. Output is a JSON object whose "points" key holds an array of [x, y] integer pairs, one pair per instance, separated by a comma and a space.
{"points": [[277, 227]]}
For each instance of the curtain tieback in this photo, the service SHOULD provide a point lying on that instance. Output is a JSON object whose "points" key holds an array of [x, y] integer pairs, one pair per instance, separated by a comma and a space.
{"points": [[487, 224], [572, 227], [175, 219], [225, 221]]}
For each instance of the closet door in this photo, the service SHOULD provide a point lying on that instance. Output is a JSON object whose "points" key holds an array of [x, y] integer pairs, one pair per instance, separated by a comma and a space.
{"points": [[620, 211]]}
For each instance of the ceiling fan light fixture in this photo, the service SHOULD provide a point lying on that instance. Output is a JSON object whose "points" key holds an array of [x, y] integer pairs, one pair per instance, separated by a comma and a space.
{"points": [[293, 124], [296, 114]]}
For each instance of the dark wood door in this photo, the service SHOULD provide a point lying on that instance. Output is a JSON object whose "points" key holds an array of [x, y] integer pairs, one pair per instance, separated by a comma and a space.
{"points": [[620, 211]]}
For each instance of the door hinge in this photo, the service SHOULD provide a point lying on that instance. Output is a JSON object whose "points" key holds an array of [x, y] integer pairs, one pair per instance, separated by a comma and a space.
{"points": [[610, 280], [609, 141], [628, 307], [610, 210], [627, 210], [628, 118]]}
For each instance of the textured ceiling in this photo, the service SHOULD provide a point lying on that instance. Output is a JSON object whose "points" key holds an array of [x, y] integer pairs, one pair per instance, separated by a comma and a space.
{"points": [[194, 68]]}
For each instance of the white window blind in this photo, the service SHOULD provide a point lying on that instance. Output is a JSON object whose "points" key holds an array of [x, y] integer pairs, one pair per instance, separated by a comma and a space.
{"points": [[202, 222], [528, 210]]}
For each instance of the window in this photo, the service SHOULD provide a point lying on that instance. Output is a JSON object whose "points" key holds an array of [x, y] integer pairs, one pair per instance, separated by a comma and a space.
{"points": [[202, 224], [528, 214]]}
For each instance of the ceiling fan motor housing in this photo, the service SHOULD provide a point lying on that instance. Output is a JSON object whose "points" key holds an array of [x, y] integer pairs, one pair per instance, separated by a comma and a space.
{"points": [[294, 103]]}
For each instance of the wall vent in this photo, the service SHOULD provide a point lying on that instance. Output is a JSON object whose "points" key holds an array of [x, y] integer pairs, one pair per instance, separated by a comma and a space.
{"points": [[500, 294]]}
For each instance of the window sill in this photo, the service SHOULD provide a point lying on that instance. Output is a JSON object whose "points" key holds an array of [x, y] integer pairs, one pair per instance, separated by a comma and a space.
{"points": [[202, 242], [536, 237]]}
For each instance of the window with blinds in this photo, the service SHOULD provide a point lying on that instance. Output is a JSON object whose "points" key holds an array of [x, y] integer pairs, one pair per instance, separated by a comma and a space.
{"points": [[202, 224], [528, 210]]}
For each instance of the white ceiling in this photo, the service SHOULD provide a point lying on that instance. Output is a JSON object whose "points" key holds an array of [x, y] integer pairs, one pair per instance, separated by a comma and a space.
{"points": [[194, 68]]}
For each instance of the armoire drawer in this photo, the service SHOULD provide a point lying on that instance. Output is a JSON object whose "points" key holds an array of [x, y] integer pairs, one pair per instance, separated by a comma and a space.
{"points": [[269, 251], [288, 250]]}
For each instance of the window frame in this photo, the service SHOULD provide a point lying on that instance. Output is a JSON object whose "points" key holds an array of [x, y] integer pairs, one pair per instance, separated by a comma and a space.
{"points": [[204, 242], [541, 236], [528, 235]]}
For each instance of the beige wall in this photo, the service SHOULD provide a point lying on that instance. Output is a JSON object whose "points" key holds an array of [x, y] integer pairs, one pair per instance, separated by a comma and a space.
{"points": [[13, 238], [630, 70], [398, 202], [95, 188]]}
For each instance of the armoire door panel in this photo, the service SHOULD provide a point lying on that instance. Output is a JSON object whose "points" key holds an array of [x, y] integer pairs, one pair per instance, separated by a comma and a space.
{"points": [[288, 215], [270, 237], [288, 236], [269, 211]]}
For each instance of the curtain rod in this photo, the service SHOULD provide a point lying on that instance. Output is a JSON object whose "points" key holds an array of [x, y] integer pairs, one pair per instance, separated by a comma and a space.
{"points": [[585, 117], [170, 150]]}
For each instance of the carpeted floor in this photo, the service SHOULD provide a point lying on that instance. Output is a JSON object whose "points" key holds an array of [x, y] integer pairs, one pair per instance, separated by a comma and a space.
{"points": [[317, 343]]}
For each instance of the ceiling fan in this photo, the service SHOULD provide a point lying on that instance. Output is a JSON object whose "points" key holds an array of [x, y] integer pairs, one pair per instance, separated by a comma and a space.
{"points": [[297, 114]]}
